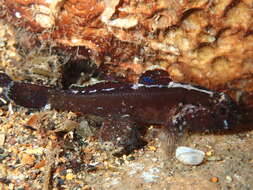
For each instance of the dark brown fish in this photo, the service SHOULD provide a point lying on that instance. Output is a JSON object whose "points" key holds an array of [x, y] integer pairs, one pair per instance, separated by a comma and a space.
{"points": [[154, 100]]}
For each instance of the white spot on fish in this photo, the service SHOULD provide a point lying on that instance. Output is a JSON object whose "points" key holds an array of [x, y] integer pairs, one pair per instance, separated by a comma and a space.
{"points": [[47, 107], [125, 115], [10, 109], [155, 86], [225, 122], [188, 87], [74, 91], [174, 85], [3, 100], [222, 97], [108, 89], [136, 86], [92, 91]]}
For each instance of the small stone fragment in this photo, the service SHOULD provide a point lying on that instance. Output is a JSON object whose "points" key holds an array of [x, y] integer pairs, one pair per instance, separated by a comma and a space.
{"points": [[86, 187], [189, 156], [53, 137], [41, 164], [11, 186], [229, 179], [33, 120], [210, 153], [152, 148], [37, 151], [2, 157], [70, 176], [3, 171], [27, 159], [2, 139], [85, 130], [2, 42], [67, 126], [214, 158], [1, 151]]}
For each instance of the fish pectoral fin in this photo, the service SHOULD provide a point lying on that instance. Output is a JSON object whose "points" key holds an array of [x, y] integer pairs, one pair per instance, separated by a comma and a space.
{"points": [[119, 136]]}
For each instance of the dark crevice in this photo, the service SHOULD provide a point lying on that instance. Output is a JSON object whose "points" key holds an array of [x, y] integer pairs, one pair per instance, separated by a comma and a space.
{"points": [[188, 13], [76, 72], [230, 6]]}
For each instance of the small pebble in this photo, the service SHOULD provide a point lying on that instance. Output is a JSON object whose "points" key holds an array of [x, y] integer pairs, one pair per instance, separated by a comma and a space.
{"points": [[229, 179], [214, 179], [70, 176], [152, 148], [214, 158], [27, 159], [40, 164], [11, 186], [3, 171], [2, 157], [189, 156], [33, 120], [86, 187], [59, 181], [130, 158], [2, 42], [85, 130], [53, 137], [1, 151], [2, 139], [210, 153], [37, 150], [67, 126]]}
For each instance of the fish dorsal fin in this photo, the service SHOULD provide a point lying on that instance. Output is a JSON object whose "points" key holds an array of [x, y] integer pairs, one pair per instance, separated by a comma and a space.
{"points": [[156, 76]]}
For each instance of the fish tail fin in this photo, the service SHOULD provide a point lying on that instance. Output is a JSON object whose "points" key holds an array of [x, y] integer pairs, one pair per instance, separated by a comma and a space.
{"points": [[5, 83], [5, 80]]}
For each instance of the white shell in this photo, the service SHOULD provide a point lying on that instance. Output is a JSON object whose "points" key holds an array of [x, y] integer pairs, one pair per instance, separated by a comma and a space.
{"points": [[189, 156]]}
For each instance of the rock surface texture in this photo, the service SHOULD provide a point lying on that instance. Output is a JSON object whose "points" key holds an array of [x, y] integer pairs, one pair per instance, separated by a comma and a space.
{"points": [[209, 43]]}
